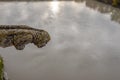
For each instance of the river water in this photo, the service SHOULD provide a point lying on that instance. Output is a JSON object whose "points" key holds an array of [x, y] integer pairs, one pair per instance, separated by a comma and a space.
{"points": [[85, 41]]}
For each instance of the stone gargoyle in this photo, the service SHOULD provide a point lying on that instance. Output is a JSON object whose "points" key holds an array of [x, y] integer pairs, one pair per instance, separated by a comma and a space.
{"points": [[20, 35]]}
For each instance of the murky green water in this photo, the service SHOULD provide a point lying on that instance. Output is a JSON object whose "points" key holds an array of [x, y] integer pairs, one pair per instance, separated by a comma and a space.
{"points": [[85, 41]]}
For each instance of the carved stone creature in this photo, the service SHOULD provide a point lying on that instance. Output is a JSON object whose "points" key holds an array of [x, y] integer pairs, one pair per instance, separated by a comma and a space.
{"points": [[20, 35]]}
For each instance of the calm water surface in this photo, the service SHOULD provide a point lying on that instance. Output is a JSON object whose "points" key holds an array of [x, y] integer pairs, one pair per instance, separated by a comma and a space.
{"points": [[85, 41]]}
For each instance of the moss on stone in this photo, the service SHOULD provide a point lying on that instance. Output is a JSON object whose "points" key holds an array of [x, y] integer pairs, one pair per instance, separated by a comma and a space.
{"points": [[1, 68]]}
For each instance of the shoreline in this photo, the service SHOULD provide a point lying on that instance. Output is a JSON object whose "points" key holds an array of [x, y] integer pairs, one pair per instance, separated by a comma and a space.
{"points": [[116, 5]]}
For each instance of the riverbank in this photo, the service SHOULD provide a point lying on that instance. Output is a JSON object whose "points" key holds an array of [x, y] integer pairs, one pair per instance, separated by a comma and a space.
{"points": [[115, 3]]}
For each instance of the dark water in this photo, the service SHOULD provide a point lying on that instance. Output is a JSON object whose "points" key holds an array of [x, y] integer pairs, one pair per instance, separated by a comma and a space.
{"points": [[85, 41]]}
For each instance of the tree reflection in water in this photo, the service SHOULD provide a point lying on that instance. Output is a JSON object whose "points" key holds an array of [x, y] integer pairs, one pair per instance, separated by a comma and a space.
{"points": [[115, 12]]}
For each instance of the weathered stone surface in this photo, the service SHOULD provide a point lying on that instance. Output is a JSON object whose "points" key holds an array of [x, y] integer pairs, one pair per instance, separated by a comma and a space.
{"points": [[20, 35], [1, 69]]}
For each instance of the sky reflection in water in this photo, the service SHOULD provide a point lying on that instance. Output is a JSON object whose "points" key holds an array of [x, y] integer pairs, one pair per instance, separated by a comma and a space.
{"points": [[84, 46]]}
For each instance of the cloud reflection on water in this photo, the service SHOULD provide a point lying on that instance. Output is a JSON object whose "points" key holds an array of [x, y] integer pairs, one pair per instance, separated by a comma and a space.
{"points": [[84, 45]]}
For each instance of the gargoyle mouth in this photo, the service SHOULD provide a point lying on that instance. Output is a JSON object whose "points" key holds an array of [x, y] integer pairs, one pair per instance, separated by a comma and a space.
{"points": [[40, 46]]}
